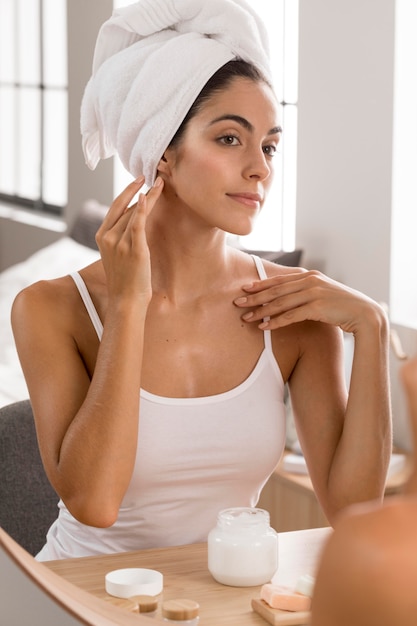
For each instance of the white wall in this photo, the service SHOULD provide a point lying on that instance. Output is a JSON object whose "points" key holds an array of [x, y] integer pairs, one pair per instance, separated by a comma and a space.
{"points": [[344, 188], [345, 139]]}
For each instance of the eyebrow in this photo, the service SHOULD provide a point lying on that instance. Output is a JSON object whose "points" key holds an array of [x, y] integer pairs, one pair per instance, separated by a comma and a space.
{"points": [[244, 122]]}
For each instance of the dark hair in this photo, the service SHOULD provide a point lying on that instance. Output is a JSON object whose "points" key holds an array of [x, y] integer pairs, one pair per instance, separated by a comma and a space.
{"points": [[237, 68]]}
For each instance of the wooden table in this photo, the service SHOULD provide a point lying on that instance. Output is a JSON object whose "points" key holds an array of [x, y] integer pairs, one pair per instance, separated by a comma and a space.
{"points": [[186, 576]]}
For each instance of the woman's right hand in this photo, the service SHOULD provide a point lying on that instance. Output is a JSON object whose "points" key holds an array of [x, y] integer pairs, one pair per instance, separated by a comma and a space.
{"points": [[122, 242]]}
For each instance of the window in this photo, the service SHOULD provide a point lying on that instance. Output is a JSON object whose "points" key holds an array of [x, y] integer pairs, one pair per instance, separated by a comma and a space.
{"points": [[403, 295], [275, 229], [33, 103]]}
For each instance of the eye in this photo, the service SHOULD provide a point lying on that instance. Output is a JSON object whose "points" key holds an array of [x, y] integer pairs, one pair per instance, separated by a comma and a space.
{"points": [[270, 150], [229, 140]]}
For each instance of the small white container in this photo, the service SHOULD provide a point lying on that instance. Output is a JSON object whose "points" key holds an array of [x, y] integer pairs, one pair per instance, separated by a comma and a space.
{"points": [[243, 548], [133, 581]]}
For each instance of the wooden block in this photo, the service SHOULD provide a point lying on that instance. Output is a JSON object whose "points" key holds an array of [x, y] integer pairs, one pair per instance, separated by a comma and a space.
{"points": [[276, 617]]}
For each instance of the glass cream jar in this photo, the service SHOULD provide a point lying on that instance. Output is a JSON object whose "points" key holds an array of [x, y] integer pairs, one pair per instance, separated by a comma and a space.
{"points": [[243, 548]]}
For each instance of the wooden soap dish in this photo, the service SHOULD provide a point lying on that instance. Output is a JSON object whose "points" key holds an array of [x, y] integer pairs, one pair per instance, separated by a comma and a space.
{"points": [[276, 617]]}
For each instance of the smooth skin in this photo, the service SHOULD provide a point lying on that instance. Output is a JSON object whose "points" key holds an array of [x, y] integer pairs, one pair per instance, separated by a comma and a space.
{"points": [[368, 570], [169, 291]]}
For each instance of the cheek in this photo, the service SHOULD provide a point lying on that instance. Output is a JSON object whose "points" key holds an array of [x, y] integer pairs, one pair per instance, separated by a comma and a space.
{"points": [[198, 170], [203, 160]]}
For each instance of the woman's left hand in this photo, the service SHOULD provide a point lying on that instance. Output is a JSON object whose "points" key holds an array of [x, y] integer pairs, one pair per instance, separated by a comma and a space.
{"points": [[305, 295]]}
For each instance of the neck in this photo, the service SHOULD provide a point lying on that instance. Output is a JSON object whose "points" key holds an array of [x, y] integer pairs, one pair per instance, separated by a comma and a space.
{"points": [[188, 258]]}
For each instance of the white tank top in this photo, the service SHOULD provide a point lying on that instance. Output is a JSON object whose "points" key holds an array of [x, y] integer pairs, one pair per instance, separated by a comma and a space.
{"points": [[195, 457]]}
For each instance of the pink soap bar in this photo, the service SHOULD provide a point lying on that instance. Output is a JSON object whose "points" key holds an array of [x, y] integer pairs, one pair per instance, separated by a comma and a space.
{"points": [[279, 597]]}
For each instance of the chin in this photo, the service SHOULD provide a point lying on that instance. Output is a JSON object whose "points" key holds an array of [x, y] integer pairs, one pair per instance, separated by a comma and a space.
{"points": [[240, 228], [241, 232]]}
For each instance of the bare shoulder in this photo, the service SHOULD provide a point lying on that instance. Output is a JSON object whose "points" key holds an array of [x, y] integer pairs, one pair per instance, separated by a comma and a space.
{"points": [[275, 269], [245, 262], [368, 567], [50, 311], [44, 297], [59, 292]]}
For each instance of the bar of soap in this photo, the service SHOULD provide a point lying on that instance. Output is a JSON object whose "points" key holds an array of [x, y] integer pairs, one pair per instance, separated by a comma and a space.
{"points": [[305, 585], [279, 597]]}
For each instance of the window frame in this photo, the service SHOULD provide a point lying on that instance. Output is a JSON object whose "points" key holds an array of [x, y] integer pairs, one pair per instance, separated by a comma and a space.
{"points": [[39, 203]]}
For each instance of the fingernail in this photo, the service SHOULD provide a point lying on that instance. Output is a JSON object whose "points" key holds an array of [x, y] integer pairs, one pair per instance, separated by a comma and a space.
{"points": [[249, 286], [241, 300], [139, 179], [158, 182], [247, 316], [263, 325]]}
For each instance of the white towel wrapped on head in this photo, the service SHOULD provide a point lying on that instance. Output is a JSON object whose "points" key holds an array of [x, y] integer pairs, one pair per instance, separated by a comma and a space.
{"points": [[151, 60]]}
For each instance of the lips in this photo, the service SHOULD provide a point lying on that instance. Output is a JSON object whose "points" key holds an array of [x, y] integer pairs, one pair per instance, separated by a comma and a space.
{"points": [[249, 199]]}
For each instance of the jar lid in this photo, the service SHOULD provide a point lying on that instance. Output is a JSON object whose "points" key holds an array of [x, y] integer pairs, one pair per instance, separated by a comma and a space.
{"points": [[180, 609], [244, 516], [146, 604]]}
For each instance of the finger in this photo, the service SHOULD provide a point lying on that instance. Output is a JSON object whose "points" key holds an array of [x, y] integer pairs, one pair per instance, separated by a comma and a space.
{"points": [[288, 317], [121, 203], [278, 306], [153, 195], [108, 238], [271, 295], [278, 287], [260, 285], [146, 203], [135, 226]]}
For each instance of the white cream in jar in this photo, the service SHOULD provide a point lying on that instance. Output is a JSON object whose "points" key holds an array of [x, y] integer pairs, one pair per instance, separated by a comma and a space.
{"points": [[243, 548]]}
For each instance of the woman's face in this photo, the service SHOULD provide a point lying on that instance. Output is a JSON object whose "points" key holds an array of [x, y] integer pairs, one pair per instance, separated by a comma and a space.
{"points": [[223, 166]]}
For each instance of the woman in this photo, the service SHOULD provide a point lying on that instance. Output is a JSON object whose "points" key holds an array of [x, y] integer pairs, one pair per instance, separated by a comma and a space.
{"points": [[159, 401]]}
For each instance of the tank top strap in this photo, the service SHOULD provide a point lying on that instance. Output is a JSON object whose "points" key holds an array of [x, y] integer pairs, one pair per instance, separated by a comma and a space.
{"points": [[98, 326], [89, 305], [262, 276]]}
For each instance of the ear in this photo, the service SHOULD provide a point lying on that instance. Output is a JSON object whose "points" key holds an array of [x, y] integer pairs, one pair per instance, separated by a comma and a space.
{"points": [[164, 165]]}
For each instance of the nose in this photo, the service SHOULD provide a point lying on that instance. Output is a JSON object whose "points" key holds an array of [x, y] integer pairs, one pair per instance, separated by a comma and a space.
{"points": [[257, 165]]}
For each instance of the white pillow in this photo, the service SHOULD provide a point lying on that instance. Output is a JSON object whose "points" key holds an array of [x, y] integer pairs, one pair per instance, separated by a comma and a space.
{"points": [[58, 259]]}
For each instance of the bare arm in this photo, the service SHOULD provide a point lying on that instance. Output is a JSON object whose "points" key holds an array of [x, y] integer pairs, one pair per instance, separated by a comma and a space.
{"points": [[88, 429], [367, 570], [346, 439]]}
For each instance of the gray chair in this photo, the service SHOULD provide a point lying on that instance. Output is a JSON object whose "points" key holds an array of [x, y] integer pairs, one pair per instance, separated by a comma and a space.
{"points": [[28, 503]]}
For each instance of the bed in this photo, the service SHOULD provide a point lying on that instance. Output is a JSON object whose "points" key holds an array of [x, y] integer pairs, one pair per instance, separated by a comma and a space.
{"points": [[71, 252]]}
